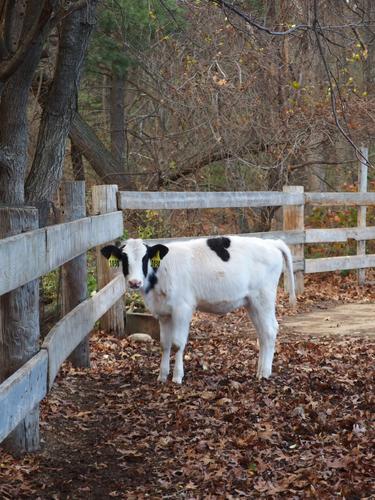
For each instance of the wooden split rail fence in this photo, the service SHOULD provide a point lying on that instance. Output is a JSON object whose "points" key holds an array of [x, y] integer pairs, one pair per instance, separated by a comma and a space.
{"points": [[48, 248]]}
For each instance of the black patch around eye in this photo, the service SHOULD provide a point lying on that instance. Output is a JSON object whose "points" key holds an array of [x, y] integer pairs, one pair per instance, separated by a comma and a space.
{"points": [[152, 280], [125, 264], [219, 246], [145, 260]]}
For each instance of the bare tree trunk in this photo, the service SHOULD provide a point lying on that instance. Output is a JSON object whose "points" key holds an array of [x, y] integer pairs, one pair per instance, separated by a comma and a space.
{"points": [[104, 164], [13, 129], [23, 25], [59, 109]]}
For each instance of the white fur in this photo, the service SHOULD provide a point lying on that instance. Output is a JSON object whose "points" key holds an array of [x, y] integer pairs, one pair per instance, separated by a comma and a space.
{"points": [[191, 276]]}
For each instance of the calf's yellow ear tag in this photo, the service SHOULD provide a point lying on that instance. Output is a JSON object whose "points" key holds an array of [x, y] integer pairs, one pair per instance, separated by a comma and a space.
{"points": [[155, 261], [113, 261]]}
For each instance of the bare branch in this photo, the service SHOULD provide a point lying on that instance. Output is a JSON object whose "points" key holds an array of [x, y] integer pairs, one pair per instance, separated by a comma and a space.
{"points": [[318, 33], [42, 25]]}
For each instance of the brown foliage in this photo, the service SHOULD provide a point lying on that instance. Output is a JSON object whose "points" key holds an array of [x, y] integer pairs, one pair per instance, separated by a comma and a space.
{"points": [[112, 431]]}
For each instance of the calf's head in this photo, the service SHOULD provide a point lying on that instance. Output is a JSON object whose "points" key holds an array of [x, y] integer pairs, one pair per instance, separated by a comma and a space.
{"points": [[139, 260]]}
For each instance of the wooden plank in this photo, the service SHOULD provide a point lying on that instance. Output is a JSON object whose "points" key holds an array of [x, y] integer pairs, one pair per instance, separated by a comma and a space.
{"points": [[73, 328], [72, 206], [290, 237], [106, 227], [339, 234], [27, 256], [22, 391], [340, 199], [298, 265], [339, 263], [67, 241], [104, 200], [294, 219], [21, 257], [181, 199]]}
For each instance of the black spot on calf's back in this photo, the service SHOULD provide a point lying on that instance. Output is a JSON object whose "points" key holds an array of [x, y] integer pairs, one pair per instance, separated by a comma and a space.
{"points": [[219, 246]]}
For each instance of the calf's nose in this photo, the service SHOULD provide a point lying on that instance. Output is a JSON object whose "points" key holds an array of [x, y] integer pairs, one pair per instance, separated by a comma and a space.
{"points": [[135, 284]]}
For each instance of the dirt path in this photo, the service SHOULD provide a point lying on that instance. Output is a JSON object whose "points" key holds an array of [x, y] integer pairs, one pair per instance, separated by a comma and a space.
{"points": [[345, 319]]}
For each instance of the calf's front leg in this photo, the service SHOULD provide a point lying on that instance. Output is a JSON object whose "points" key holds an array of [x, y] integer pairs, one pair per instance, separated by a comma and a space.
{"points": [[166, 344], [181, 325]]}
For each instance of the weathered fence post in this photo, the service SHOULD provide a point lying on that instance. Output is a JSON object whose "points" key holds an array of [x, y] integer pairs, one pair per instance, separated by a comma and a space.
{"points": [[294, 219], [19, 329], [72, 206], [104, 200], [361, 219]]}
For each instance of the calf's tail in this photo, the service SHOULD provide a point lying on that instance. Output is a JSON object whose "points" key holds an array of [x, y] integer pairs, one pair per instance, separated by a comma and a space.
{"points": [[288, 261]]}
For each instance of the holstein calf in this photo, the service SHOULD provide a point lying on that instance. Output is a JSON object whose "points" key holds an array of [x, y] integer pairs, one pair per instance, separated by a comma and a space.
{"points": [[213, 275]]}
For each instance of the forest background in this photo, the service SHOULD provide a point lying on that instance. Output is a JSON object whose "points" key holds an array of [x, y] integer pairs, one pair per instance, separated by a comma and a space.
{"points": [[187, 95]]}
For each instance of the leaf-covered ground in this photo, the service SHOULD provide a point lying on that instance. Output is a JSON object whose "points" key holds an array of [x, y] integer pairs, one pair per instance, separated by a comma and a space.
{"points": [[113, 432]]}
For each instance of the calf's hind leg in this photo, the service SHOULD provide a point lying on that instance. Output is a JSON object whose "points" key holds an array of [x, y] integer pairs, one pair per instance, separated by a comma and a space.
{"points": [[262, 314]]}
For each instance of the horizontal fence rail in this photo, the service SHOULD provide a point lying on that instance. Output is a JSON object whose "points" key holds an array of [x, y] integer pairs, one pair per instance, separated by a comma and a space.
{"points": [[73, 328], [340, 199], [27, 256], [337, 235], [168, 200], [23, 390], [345, 263]]}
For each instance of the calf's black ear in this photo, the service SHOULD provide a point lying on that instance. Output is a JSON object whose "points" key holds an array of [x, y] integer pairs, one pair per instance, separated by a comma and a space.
{"points": [[155, 254], [153, 251], [111, 250]]}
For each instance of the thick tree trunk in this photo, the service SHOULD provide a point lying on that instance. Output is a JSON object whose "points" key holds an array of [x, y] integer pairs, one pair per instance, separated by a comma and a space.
{"points": [[13, 129], [104, 164], [60, 108], [23, 24]]}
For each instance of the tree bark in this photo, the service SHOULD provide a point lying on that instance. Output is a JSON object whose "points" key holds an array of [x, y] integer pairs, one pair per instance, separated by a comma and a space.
{"points": [[104, 164], [22, 25], [60, 108], [13, 128]]}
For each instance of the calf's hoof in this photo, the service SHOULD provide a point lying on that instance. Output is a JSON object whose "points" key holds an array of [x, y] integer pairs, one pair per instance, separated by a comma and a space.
{"points": [[263, 374], [162, 378], [177, 380]]}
